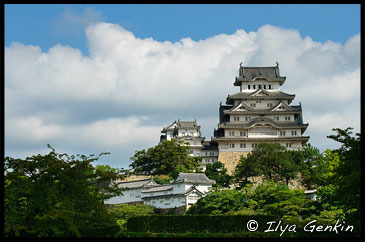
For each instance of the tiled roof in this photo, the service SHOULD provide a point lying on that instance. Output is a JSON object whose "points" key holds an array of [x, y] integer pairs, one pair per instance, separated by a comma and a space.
{"points": [[262, 120], [275, 95], [209, 145], [169, 127], [192, 188], [195, 178], [135, 184], [302, 139], [187, 124], [159, 188], [249, 73]]}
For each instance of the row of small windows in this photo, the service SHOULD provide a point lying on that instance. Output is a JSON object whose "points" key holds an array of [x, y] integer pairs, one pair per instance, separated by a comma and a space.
{"points": [[254, 145], [243, 145], [210, 153], [188, 134], [259, 86], [244, 133], [253, 105], [209, 160], [286, 118]]}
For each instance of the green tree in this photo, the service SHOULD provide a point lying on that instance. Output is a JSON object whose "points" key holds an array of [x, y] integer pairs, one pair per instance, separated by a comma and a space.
{"points": [[312, 167], [278, 200], [57, 195], [346, 177], [289, 165], [162, 179], [217, 203], [122, 212], [167, 158], [247, 167], [327, 168], [271, 160], [268, 156], [218, 172]]}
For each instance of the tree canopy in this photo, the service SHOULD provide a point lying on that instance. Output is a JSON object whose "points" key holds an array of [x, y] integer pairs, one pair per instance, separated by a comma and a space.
{"points": [[218, 172], [217, 203], [167, 158], [271, 160], [57, 195]]}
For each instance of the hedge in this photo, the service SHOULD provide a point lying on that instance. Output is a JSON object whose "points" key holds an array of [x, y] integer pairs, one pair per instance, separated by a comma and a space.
{"points": [[196, 223]]}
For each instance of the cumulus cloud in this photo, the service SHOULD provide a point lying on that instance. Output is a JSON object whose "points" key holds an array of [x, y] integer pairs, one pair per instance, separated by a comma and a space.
{"points": [[123, 93]]}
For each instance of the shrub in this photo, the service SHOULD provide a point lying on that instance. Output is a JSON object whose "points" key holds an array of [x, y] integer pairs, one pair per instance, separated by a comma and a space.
{"points": [[193, 223]]}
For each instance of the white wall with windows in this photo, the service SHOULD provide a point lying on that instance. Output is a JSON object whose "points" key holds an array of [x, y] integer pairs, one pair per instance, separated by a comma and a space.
{"points": [[253, 86]]}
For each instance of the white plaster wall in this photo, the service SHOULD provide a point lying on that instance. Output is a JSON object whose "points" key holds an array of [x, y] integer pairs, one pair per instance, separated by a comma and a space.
{"points": [[128, 196], [274, 85], [171, 202], [188, 132]]}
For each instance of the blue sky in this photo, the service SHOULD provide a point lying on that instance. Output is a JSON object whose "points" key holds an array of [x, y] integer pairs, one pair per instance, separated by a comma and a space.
{"points": [[107, 78], [36, 24]]}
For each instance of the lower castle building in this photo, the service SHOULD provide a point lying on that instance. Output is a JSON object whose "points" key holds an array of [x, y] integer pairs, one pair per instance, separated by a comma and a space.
{"points": [[183, 192], [259, 112]]}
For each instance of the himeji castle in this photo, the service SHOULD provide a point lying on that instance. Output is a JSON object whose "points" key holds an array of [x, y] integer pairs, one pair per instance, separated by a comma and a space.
{"points": [[259, 112]]}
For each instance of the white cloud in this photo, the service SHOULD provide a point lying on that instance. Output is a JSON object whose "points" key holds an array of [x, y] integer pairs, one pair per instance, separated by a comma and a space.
{"points": [[98, 100]]}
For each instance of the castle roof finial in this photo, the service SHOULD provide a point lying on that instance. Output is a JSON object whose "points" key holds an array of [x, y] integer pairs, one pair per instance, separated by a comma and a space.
{"points": [[241, 70]]}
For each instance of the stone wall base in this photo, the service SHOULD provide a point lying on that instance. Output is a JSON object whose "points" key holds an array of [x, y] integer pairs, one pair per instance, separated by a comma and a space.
{"points": [[230, 159]]}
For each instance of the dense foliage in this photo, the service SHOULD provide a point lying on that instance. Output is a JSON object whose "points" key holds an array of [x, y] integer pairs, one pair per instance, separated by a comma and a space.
{"points": [[167, 158], [162, 179], [218, 172], [56, 195], [271, 160], [122, 212], [193, 223], [217, 203]]}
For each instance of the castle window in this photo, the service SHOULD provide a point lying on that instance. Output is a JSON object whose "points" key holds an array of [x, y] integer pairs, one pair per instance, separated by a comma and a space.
{"points": [[249, 86], [259, 86], [254, 86], [253, 105], [282, 133], [243, 145], [236, 118], [269, 105], [288, 145], [254, 145], [269, 86], [264, 86], [242, 133], [287, 117], [231, 145], [294, 133]]}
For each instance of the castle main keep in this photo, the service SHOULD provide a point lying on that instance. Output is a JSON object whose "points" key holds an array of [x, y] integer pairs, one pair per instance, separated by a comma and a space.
{"points": [[259, 112]]}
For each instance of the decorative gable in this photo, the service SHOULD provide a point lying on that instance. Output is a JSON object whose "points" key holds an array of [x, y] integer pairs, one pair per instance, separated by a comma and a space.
{"points": [[242, 107], [282, 107], [261, 93], [179, 179]]}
